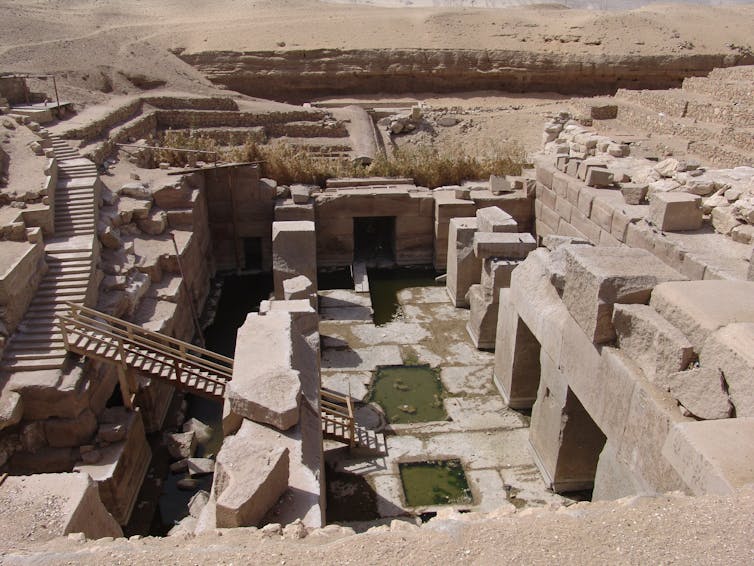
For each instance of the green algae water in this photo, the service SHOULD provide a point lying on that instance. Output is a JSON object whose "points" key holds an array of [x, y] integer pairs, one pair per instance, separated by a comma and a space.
{"points": [[409, 394], [384, 285], [440, 482]]}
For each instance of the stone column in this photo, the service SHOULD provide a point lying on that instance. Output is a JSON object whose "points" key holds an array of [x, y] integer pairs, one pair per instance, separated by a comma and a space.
{"points": [[566, 441], [500, 252], [517, 353], [294, 253], [464, 268]]}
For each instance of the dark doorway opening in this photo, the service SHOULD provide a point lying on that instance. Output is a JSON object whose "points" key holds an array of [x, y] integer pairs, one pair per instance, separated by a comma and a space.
{"points": [[374, 239], [252, 253]]}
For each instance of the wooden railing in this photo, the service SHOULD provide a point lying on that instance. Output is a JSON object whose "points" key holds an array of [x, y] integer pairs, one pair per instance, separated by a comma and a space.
{"points": [[338, 410], [91, 333]]}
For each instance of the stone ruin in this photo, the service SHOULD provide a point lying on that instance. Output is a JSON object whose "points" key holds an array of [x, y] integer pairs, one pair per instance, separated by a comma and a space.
{"points": [[616, 293]]}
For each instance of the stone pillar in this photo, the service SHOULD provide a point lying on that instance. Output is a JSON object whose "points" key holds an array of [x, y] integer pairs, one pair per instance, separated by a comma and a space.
{"points": [[294, 253], [464, 268], [447, 207], [517, 352], [566, 441], [500, 253]]}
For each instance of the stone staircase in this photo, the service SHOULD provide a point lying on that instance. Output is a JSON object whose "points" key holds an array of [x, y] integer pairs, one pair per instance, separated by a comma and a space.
{"points": [[37, 343]]}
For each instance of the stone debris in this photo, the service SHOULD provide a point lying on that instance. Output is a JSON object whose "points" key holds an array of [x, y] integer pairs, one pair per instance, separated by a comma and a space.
{"points": [[181, 444]]}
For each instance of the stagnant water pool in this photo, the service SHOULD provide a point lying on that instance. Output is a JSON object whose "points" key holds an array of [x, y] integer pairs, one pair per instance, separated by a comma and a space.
{"points": [[409, 394]]}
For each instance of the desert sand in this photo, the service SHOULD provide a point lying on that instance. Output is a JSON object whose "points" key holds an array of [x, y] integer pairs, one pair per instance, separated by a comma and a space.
{"points": [[104, 48]]}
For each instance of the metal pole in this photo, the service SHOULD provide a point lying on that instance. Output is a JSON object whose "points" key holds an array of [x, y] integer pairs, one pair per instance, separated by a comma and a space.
{"points": [[191, 294]]}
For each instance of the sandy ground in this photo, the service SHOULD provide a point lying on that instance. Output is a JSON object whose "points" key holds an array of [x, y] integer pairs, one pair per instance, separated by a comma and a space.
{"points": [[101, 48], [663, 530]]}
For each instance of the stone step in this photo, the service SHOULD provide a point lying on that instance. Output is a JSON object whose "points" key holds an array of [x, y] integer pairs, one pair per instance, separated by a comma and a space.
{"points": [[80, 284], [14, 365], [38, 345], [40, 355], [89, 232]]}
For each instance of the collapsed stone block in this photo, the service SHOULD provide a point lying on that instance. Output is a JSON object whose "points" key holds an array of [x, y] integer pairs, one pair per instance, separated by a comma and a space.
{"points": [[675, 211], [712, 456], [501, 244], [730, 350], [701, 391], [251, 474], [493, 219], [482, 323], [657, 346], [597, 278], [634, 193], [265, 387], [464, 268], [598, 177]]}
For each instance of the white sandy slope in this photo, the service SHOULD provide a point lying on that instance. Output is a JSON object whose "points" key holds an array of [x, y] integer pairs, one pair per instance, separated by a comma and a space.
{"points": [[114, 47]]}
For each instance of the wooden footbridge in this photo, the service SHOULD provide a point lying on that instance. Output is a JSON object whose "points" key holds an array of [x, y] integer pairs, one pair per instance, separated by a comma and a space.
{"points": [[90, 333]]}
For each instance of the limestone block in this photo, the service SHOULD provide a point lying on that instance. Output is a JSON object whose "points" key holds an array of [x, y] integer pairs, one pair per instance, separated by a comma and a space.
{"points": [[200, 466], [175, 194], [598, 177], [597, 278], [300, 193], [464, 268], [294, 252], [154, 224], [62, 433], [11, 409], [496, 275], [517, 366], [499, 184], [300, 287], [250, 476], [120, 471], [712, 457], [494, 219], [131, 208], [723, 220], [265, 387], [482, 323], [504, 245], [41, 507], [731, 351], [699, 308], [675, 211], [590, 163], [180, 444], [51, 393], [202, 432], [701, 392], [633, 193], [556, 266], [657, 346]]}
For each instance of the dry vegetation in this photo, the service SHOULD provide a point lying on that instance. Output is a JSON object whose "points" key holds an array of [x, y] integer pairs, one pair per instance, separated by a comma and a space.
{"points": [[428, 166]]}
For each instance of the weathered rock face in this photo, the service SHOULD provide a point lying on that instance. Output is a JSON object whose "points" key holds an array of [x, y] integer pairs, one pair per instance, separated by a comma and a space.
{"points": [[250, 475]]}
